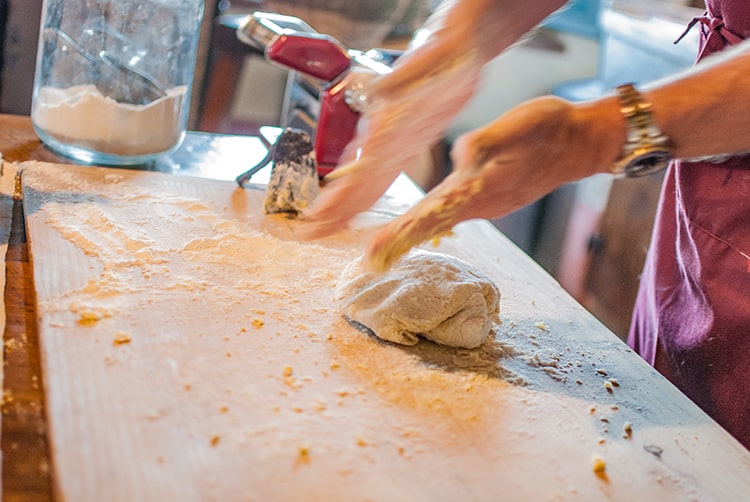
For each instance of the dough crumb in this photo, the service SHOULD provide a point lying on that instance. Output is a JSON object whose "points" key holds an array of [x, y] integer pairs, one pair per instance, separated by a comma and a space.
{"points": [[7, 397], [88, 317], [598, 465], [628, 430], [362, 442], [121, 339]]}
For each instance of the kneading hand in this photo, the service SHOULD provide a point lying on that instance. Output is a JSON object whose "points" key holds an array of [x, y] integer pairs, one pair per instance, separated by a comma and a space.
{"points": [[409, 110], [523, 155]]}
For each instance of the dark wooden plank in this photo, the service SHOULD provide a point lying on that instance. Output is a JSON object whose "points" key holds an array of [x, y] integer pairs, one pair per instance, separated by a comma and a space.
{"points": [[26, 473]]}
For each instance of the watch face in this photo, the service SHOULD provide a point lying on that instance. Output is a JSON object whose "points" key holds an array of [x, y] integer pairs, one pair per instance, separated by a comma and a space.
{"points": [[648, 163]]}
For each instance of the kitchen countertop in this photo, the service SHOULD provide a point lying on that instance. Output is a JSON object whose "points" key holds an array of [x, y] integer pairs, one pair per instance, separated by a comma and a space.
{"points": [[578, 397], [25, 456]]}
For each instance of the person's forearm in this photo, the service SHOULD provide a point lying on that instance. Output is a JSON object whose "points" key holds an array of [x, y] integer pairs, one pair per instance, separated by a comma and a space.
{"points": [[498, 23], [517, 19], [707, 111]]}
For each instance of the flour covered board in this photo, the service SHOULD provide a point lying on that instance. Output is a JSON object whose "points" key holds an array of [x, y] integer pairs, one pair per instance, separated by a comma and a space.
{"points": [[192, 350]]}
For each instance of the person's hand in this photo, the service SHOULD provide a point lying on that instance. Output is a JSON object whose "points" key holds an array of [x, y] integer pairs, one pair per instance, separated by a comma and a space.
{"points": [[525, 154], [396, 134], [410, 110]]}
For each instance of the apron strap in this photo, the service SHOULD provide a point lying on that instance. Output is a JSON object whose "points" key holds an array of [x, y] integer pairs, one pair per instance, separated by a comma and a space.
{"points": [[714, 31]]}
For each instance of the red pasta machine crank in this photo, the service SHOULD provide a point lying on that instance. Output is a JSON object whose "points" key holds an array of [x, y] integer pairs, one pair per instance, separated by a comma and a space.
{"points": [[290, 42]]}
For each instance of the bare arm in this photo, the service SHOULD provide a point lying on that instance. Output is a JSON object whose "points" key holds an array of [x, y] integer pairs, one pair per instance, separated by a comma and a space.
{"points": [[459, 26], [707, 111], [547, 142], [412, 107]]}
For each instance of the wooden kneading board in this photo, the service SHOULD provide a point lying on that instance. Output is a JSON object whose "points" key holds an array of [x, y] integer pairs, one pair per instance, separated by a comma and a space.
{"points": [[192, 351]]}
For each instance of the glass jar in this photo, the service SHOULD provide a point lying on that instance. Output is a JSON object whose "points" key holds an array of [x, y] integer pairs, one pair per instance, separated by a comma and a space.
{"points": [[114, 77]]}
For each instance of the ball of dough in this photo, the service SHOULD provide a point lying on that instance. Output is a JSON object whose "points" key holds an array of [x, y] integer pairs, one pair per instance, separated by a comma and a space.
{"points": [[424, 294]]}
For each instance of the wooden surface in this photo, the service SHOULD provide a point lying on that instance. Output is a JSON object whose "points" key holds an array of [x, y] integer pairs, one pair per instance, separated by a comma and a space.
{"points": [[26, 475], [24, 448], [7, 190], [206, 401], [191, 350]]}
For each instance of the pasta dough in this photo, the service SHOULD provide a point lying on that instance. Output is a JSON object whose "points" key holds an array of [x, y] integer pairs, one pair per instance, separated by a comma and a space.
{"points": [[432, 295], [294, 175]]}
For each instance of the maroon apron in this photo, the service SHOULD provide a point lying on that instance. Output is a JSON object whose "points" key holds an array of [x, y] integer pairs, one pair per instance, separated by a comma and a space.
{"points": [[692, 316]]}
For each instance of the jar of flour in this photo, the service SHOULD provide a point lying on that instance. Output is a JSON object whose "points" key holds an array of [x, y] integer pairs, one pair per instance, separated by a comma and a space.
{"points": [[113, 77]]}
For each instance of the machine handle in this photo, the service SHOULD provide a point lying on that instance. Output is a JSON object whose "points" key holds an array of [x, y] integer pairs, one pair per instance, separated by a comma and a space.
{"points": [[291, 42], [318, 56]]}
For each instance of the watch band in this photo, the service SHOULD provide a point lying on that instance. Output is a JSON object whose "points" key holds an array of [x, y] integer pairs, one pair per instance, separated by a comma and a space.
{"points": [[647, 149]]}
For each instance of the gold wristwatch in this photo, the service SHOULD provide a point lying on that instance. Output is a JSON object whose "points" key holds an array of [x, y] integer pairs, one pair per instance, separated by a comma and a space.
{"points": [[647, 149]]}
